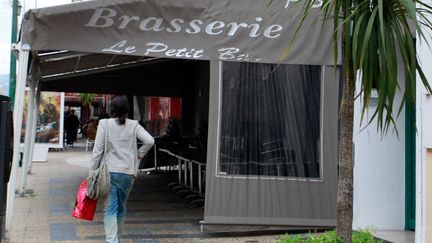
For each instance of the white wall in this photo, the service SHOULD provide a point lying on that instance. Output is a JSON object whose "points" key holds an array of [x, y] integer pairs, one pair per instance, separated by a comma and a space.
{"points": [[379, 173], [379, 179], [424, 142]]}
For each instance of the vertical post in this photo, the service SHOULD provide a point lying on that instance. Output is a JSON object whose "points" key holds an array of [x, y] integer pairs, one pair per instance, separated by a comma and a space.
{"points": [[191, 174], [202, 226], [28, 135], [17, 115], [12, 72], [155, 157], [185, 172], [179, 169], [199, 178], [33, 133]]}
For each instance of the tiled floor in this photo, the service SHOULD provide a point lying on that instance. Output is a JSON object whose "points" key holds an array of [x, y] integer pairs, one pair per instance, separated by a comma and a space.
{"points": [[155, 214]]}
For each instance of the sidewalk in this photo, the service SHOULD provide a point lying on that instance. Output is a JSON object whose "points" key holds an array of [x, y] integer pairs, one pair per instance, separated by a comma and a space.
{"points": [[44, 215], [155, 214]]}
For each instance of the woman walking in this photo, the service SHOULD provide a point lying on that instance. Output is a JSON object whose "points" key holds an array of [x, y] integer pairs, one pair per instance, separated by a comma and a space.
{"points": [[122, 158]]}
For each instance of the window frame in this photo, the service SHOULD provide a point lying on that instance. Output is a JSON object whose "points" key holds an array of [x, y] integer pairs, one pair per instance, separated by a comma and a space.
{"points": [[219, 174]]}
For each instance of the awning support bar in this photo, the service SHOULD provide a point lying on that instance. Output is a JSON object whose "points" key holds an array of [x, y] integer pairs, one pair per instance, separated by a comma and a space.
{"points": [[17, 116]]}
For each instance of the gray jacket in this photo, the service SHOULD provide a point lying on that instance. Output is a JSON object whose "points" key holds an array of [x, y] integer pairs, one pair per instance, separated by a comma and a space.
{"points": [[123, 155]]}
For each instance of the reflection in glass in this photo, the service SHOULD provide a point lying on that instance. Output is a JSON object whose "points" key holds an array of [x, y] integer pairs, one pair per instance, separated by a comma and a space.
{"points": [[270, 123]]}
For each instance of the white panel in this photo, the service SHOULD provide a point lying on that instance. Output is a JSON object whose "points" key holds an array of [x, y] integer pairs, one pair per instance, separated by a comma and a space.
{"points": [[40, 152], [424, 138], [379, 173], [424, 55], [427, 121]]}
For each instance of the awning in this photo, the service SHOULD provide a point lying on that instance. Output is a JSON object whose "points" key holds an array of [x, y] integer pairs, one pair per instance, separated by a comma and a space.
{"points": [[91, 42], [66, 71], [61, 64], [241, 30]]}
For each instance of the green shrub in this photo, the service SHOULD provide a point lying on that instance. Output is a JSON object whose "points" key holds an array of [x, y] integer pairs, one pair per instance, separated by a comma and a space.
{"points": [[362, 236]]}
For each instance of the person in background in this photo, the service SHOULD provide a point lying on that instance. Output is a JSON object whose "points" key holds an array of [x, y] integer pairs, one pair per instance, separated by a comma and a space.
{"points": [[89, 129], [66, 113], [122, 158], [72, 124]]}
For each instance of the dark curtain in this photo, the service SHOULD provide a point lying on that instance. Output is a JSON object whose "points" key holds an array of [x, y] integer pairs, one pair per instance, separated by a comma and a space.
{"points": [[270, 122]]}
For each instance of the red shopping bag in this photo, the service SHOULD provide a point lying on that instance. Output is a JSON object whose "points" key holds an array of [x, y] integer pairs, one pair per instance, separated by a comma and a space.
{"points": [[84, 206]]}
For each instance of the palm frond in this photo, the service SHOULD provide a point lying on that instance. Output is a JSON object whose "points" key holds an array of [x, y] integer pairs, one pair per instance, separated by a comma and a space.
{"points": [[381, 42], [87, 99]]}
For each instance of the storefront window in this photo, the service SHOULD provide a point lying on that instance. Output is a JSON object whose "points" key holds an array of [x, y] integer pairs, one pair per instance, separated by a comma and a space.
{"points": [[270, 124], [160, 114]]}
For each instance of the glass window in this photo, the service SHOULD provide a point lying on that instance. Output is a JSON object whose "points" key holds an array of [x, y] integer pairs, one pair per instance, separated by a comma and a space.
{"points": [[270, 124], [162, 114]]}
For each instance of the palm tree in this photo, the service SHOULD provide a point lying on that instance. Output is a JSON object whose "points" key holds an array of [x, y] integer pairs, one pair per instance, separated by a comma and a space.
{"points": [[87, 99], [372, 33]]}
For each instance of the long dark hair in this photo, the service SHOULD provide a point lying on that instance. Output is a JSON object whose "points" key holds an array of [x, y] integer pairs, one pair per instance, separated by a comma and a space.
{"points": [[120, 108]]}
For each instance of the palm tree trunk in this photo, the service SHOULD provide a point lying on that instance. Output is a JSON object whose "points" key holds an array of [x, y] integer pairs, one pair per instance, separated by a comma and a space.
{"points": [[345, 170], [345, 163]]}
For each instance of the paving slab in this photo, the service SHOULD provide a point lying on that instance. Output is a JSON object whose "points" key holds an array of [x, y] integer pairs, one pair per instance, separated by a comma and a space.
{"points": [[155, 214]]}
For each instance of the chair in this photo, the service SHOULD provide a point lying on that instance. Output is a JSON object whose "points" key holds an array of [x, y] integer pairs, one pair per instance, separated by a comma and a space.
{"points": [[89, 142]]}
